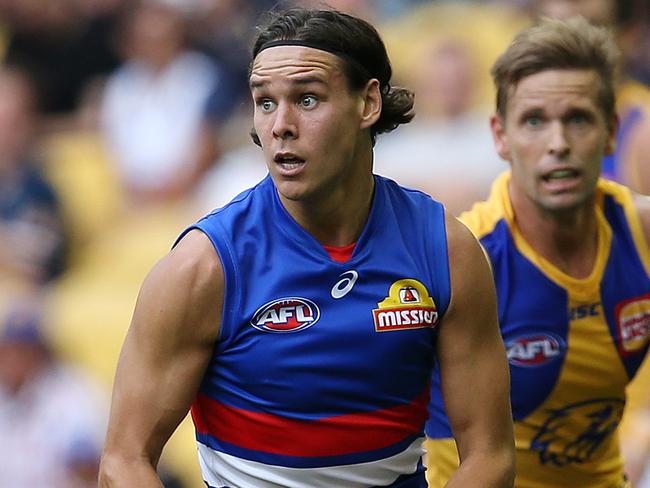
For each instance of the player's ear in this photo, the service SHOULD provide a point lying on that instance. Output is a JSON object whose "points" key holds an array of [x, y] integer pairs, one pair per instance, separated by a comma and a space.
{"points": [[497, 124], [612, 128], [370, 104]]}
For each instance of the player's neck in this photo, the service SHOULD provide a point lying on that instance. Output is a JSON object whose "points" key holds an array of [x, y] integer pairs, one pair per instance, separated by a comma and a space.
{"points": [[338, 218], [567, 239]]}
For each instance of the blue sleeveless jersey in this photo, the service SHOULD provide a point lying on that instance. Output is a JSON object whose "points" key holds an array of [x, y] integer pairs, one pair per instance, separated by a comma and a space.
{"points": [[573, 344], [321, 372]]}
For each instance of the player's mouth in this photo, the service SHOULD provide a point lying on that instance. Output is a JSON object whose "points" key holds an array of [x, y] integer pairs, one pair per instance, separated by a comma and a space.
{"points": [[561, 179], [288, 163]]}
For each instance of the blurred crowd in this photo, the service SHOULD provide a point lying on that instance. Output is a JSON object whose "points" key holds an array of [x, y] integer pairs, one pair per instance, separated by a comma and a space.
{"points": [[122, 121]]}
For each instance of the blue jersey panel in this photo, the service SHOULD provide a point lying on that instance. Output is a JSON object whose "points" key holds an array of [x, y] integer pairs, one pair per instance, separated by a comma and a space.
{"points": [[533, 310], [624, 278]]}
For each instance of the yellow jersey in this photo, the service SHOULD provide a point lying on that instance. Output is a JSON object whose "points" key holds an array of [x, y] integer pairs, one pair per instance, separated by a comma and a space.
{"points": [[572, 344]]}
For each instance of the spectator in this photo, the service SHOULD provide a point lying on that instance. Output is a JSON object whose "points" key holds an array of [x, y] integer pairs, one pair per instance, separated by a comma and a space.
{"points": [[31, 228], [432, 153], [154, 108], [62, 44], [52, 417], [222, 29]]}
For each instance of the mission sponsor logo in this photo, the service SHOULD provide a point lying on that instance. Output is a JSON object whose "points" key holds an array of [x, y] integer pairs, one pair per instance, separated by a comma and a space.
{"points": [[407, 306], [534, 350], [633, 324], [286, 315]]}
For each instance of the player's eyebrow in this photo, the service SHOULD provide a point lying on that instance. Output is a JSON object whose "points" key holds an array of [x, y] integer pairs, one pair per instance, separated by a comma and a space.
{"points": [[583, 112], [531, 112], [258, 83]]}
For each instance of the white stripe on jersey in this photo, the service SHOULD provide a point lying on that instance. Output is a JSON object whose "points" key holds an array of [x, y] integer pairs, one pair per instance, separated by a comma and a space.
{"points": [[220, 469]]}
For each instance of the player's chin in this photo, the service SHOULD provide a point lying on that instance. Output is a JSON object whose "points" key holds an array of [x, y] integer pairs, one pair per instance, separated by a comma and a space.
{"points": [[292, 190], [561, 202]]}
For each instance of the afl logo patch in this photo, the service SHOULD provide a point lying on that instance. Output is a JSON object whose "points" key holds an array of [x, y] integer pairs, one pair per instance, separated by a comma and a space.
{"points": [[534, 350], [286, 315]]}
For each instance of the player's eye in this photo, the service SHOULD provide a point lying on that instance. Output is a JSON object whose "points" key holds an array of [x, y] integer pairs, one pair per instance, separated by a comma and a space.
{"points": [[579, 119], [308, 101], [266, 105], [533, 121]]}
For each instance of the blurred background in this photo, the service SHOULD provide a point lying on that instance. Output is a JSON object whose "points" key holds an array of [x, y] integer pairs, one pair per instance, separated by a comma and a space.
{"points": [[123, 121]]}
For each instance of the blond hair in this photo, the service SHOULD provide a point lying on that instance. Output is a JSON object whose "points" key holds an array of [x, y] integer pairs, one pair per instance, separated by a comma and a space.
{"points": [[559, 44]]}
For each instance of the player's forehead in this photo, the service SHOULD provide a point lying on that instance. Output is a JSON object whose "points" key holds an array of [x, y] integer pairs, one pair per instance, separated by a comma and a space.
{"points": [[294, 63], [560, 87]]}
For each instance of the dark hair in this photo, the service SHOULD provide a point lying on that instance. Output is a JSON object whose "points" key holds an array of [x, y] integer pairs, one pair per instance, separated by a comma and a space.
{"points": [[359, 46], [559, 44]]}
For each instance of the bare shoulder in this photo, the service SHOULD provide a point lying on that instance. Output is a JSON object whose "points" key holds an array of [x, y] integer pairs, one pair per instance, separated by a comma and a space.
{"points": [[471, 278], [463, 248], [185, 287], [195, 257]]}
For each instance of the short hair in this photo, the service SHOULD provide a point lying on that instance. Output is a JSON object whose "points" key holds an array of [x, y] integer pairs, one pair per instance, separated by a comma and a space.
{"points": [[559, 44], [356, 43]]}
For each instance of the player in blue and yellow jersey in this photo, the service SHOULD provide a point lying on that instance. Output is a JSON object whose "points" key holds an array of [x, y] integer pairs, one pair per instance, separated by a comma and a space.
{"points": [[570, 258], [301, 322], [629, 163]]}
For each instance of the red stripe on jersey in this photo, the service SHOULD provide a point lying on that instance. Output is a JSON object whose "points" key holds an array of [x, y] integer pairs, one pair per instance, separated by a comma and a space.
{"points": [[343, 434]]}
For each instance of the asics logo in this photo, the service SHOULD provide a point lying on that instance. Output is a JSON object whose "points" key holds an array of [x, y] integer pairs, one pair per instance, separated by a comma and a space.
{"points": [[343, 286]]}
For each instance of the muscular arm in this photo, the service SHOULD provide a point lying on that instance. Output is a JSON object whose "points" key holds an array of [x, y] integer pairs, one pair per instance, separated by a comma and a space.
{"points": [[165, 353], [473, 369]]}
